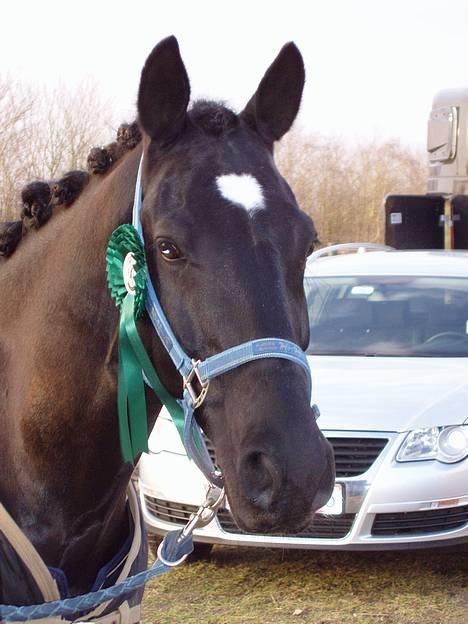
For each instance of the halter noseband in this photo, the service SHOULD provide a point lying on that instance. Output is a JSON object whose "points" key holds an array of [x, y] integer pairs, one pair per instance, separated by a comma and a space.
{"points": [[200, 373]]}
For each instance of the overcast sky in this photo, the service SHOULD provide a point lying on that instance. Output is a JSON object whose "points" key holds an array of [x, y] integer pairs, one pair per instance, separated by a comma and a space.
{"points": [[373, 66]]}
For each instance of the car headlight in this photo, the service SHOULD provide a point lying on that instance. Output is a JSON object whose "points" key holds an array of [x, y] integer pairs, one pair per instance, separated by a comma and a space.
{"points": [[446, 444]]}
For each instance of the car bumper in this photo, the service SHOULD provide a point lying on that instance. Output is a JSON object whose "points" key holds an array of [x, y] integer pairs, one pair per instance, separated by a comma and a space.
{"points": [[389, 506]]}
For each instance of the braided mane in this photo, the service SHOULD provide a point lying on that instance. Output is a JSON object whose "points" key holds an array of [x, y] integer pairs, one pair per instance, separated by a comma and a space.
{"points": [[39, 198]]}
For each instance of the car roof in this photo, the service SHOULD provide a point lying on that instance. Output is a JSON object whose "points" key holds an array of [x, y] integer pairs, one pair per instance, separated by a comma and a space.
{"points": [[430, 263]]}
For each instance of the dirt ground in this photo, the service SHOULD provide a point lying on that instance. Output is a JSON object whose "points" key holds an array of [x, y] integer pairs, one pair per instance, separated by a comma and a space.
{"points": [[266, 586]]}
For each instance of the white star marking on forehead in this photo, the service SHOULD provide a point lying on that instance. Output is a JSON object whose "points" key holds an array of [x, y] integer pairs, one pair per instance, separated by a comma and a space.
{"points": [[243, 190]]}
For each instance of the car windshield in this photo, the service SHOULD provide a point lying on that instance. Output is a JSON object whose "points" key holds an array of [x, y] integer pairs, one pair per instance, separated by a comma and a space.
{"points": [[388, 316]]}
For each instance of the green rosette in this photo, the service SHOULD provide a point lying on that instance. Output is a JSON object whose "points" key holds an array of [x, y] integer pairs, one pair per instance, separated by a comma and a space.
{"points": [[126, 278], [126, 240]]}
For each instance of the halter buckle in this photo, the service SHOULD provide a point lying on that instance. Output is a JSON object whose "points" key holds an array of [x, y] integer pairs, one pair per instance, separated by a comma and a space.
{"points": [[197, 398]]}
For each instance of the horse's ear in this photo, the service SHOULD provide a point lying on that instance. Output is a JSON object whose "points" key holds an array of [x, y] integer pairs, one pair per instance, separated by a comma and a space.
{"points": [[274, 106], [164, 92]]}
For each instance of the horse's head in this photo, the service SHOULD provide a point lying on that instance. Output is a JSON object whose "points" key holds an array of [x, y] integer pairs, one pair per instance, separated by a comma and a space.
{"points": [[227, 246]]}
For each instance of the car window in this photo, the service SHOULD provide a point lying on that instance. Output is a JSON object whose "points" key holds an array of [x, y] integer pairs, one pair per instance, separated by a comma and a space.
{"points": [[388, 315]]}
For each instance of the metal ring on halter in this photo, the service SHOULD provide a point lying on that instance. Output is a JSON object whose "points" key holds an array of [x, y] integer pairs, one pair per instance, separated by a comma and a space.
{"points": [[197, 400]]}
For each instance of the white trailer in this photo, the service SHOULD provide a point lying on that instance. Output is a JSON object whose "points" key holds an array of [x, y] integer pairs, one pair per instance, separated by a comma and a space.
{"points": [[438, 219]]}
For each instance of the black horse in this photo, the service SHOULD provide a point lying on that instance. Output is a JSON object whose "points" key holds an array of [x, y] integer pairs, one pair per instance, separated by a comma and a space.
{"points": [[226, 246]]}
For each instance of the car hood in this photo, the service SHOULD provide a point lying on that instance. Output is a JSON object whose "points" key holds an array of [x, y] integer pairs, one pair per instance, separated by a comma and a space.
{"points": [[389, 393]]}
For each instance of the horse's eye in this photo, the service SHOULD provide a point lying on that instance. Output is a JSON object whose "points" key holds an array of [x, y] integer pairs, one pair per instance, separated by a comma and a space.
{"points": [[168, 250], [313, 245]]}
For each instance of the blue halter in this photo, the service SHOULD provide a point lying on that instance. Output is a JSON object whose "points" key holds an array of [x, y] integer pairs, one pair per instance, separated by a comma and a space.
{"points": [[202, 372]]}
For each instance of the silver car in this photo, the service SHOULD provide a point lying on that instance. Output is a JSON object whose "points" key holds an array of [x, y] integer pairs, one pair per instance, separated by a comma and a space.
{"points": [[389, 361]]}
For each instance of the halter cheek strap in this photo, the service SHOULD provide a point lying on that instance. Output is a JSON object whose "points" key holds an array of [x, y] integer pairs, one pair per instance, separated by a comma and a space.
{"points": [[198, 374]]}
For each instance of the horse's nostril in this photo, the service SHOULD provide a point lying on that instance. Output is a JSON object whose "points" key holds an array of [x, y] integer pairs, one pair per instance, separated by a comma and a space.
{"points": [[260, 479]]}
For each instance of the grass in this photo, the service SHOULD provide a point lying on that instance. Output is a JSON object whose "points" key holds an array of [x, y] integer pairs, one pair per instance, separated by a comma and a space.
{"points": [[244, 585]]}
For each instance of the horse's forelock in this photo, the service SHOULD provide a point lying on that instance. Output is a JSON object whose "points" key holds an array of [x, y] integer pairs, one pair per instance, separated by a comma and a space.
{"points": [[213, 117]]}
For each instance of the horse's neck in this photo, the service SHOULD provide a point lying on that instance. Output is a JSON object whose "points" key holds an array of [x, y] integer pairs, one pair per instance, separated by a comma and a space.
{"points": [[65, 474]]}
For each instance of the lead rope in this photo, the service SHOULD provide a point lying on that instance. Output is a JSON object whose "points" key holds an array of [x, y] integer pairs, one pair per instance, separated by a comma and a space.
{"points": [[173, 550]]}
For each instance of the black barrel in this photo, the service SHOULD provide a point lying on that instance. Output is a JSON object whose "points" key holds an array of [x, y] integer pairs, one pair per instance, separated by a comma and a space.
{"points": [[414, 221], [460, 221]]}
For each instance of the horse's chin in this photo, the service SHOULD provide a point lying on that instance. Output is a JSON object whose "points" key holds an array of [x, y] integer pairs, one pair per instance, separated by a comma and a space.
{"points": [[253, 521], [281, 519]]}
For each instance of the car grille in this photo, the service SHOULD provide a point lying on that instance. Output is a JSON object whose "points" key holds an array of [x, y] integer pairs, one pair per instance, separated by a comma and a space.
{"points": [[353, 456], [417, 522], [176, 513], [331, 527], [210, 448]]}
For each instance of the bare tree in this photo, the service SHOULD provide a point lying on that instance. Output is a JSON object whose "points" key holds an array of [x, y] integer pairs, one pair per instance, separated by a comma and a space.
{"points": [[72, 122], [44, 133], [343, 187], [15, 113]]}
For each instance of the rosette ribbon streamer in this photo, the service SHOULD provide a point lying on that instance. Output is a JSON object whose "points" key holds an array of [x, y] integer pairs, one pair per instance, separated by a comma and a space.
{"points": [[127, 276]]}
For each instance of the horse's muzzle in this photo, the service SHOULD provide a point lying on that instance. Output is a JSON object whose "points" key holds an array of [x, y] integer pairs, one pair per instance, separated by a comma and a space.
{"points": [[281, 493]]}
